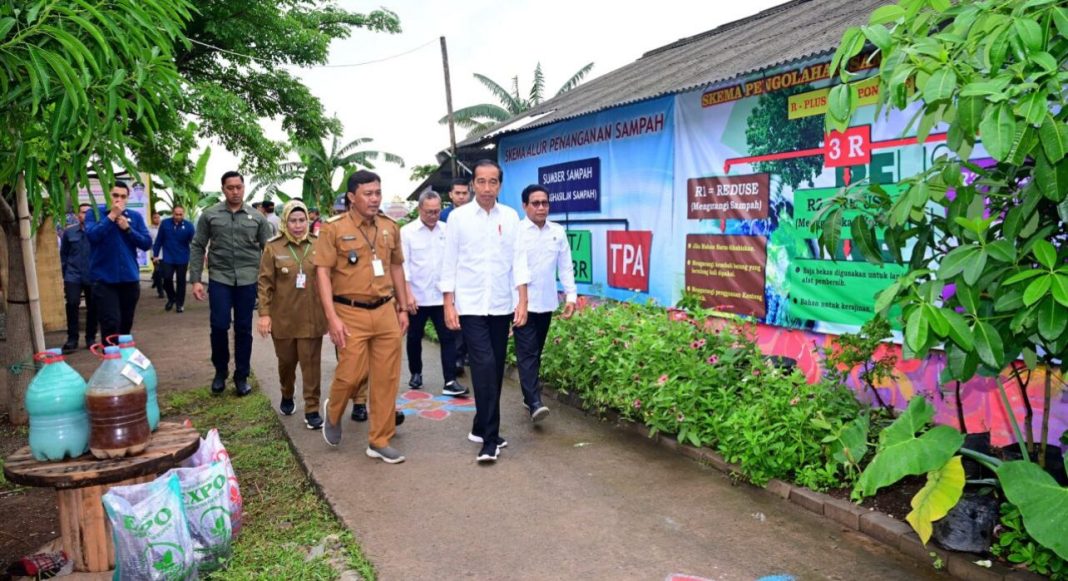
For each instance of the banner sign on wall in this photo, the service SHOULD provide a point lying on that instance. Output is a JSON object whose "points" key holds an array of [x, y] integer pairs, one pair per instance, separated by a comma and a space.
{"points": [[581, 255], [574, 186]]}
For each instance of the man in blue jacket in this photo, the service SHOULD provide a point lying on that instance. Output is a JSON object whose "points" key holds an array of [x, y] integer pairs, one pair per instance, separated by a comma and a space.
{"points": [[74, 253], [173, 238], [115, 238]]}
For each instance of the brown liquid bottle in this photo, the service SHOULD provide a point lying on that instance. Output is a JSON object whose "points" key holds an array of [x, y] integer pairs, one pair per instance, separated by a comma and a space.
{"points": [[115, 400]]}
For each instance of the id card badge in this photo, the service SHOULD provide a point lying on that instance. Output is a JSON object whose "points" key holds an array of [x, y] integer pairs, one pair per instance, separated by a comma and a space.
{"points": [[376, 266], [302, 280]]}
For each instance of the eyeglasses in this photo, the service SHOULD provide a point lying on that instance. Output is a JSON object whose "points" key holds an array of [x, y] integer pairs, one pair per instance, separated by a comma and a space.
{"points": [[540, 203]]}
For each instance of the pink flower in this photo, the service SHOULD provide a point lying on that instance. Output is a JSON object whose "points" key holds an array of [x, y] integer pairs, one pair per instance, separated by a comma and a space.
{"points": [[698, 344], [712, 360], [637, 404], [756, 372], [663, 379]]}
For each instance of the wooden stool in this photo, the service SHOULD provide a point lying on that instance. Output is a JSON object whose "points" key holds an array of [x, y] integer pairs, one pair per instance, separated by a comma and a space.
{"points": [[81, 482]]}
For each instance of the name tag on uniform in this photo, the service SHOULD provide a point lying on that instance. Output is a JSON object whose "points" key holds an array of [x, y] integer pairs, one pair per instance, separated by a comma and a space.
{"points": [[376, 266], [302, 280]]}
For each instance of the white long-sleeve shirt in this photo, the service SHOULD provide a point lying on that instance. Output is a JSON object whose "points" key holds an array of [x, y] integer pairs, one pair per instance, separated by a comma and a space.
{"points": [[423, 252], [547, 253], [482, 262]]}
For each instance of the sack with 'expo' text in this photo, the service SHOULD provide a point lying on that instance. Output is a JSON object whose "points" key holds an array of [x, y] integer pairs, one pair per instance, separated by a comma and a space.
{"points": [[212, 450], [150, 532], [205, 492]]}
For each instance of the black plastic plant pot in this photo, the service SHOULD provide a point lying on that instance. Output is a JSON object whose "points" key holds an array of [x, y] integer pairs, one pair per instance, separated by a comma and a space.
{"points": [[978, 442], [1054, 461], [969, 526]]}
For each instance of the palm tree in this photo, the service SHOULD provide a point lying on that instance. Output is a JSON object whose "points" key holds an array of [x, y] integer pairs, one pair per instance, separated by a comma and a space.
{"points": [[318, 167], [479, 118]]}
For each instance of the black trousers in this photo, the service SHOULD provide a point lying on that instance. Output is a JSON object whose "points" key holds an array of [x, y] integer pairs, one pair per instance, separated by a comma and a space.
{"points": [[175, 291], [224, 300], [115, 306], [529, 342], [157, 280], [416, 330], [73, 292], [487, 345]]}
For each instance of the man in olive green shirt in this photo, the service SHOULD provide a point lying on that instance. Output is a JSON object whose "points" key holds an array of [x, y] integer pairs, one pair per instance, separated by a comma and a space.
{"points": [[237, 234]]}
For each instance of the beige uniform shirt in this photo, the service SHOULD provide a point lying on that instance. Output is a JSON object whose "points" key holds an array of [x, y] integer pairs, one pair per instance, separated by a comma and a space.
{"points": [[346, 235], [296, 313]]}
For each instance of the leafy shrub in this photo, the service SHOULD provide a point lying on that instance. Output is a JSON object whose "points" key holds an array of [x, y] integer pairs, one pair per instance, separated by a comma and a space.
{"points": [[1016, 546], [681, 375]]}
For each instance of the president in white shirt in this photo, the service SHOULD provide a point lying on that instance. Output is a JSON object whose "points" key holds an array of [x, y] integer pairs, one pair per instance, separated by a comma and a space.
{"points": [[482, 266], [423, 243], [547, 253]]}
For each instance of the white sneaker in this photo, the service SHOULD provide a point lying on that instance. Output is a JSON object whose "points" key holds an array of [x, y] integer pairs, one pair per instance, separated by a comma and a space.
{"points": [[501, 442]]}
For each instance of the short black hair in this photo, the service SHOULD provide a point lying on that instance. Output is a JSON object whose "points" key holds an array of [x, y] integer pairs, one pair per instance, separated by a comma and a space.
{"points": [[177, 206], [488, 163], [316, 210], [359, 178], [257, 205], [268, 205], [121, 185], [458, 182], [232, 174], [80, 206], [527, 191]]}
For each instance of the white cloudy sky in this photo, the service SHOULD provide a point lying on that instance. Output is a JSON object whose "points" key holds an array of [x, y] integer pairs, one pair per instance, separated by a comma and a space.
{"points": [[398, 102]]}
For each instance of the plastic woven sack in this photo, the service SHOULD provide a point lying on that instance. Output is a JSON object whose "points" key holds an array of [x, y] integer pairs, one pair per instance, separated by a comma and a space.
{"points": [[212, 450], [150, 531], [206, 492]]}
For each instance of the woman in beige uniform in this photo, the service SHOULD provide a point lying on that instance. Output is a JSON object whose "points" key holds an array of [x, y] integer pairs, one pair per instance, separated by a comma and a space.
{"points": [[290, 310]]}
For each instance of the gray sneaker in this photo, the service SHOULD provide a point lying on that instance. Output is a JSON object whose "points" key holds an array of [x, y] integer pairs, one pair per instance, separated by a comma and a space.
{"points": [[388, 454], [539, 414], [331, 432]]}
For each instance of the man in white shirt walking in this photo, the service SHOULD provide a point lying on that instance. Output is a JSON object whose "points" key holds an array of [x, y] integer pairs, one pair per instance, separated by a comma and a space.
{"points": [[481, 267], [423, 243], [547, 252]]}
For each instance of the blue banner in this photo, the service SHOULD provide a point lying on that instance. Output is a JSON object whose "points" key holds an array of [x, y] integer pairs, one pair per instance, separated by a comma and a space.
{"points": [[574, 186]]}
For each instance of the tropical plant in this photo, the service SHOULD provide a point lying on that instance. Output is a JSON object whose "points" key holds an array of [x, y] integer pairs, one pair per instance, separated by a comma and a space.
{"points": [[186, 192], [318, 169], [75, 80], [988, 279], [479, 118]]}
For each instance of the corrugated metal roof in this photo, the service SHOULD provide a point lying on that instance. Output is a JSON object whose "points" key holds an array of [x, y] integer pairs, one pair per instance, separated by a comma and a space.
{"points": [[788, 32]]}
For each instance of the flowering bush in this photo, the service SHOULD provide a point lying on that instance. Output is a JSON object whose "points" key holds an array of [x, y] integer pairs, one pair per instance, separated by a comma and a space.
{"points": [[709, 387]]}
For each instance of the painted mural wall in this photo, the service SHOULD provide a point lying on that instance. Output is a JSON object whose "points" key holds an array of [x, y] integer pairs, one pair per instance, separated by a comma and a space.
{"points": [[713, 192]]}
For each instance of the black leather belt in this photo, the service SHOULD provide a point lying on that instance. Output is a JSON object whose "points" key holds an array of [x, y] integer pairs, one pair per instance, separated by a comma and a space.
{"points": [[369, 306]]}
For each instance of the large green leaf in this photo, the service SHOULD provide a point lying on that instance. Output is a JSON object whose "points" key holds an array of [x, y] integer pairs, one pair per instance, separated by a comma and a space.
{"points": [[901, 453], [940, 85], [998, 130], [940, 494], [1052, 319], [1054, 136], [989, 345], [1052, 178], [1042, 503]]}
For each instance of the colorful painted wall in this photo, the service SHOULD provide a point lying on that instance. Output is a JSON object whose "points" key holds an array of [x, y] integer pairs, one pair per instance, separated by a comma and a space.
{"points": [[712, 193]]}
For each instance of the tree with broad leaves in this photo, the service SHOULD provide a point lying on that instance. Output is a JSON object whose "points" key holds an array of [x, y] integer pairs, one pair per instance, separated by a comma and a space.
{"points": [[479, 118], [76, 80]]}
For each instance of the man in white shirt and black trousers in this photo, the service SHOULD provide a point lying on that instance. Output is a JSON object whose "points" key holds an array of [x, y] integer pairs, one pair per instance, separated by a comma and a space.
{"points": [[483, 263], [423, 243], [548, 252]]}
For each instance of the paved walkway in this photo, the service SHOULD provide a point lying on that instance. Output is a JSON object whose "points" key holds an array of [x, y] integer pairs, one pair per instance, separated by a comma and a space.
{"points": [[570, 498]]}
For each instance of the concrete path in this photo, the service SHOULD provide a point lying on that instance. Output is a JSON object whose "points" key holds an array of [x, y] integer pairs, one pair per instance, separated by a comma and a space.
{"points": [[570, 498]]}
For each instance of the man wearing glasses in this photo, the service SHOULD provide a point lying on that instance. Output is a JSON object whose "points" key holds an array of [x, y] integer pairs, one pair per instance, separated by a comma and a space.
{"points": [[547, 253], [481, 269], [423, 243]]}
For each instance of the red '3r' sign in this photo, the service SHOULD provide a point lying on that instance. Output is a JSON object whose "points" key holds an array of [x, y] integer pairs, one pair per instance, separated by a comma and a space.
{"points": [[628, 259], [850, 147]]}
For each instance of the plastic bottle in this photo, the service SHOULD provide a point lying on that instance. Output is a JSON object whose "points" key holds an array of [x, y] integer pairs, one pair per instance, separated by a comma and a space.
{"points": [[131, 354], [116, 400], [55, 401]]}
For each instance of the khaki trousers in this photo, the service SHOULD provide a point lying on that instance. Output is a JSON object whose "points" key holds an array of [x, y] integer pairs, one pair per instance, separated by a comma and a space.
{"points": [[307, 352], [372, 352]]}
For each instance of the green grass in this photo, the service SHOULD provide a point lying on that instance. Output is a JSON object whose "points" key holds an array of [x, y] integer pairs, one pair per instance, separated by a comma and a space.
{"points": [[284, 517]]}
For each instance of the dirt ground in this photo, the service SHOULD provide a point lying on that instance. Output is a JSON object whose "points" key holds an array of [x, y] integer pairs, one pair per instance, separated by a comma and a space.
{"points": [[178, 346]]}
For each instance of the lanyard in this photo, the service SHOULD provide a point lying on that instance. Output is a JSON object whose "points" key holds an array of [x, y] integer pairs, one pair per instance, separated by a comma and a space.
{"points": [[300, 261], [374, 252]]}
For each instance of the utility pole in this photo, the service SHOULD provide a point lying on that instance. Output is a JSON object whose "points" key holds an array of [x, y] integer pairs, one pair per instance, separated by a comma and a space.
{"points": [[448, 105]]}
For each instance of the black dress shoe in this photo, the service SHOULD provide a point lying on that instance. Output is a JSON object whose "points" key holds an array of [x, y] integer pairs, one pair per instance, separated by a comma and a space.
{"points": [[416, 381], [218, 385], [359, 412], [168, 306], [398, 418], [242, 386], [70, 346], [180, 309]]}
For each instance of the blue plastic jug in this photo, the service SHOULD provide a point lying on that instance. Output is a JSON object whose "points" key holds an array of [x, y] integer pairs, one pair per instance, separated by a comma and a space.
{"points": [[55, 401], [131, 354]]}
